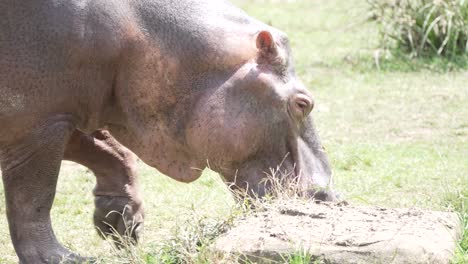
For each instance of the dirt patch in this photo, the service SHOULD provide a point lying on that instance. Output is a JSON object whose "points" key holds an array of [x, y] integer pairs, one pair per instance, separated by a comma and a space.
{"points": [[343, 234]]}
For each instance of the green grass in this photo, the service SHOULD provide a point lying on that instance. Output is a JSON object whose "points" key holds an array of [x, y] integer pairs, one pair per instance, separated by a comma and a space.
{"points": [[422, 28], [396, 137]]}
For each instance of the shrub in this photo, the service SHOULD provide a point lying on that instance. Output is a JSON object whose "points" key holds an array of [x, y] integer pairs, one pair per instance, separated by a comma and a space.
{"points": [[423, 27]]}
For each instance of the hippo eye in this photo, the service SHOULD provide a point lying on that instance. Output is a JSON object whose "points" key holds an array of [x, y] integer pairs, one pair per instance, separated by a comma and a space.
{"points": [[303, 105], [300, 105]]}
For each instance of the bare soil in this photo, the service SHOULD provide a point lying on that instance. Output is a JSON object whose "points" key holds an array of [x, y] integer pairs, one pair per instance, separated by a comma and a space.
{"points": [[333, 233]]}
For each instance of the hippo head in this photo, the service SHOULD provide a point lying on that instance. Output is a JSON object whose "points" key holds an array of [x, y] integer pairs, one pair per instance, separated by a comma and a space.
{"points": [[258, 119], [237, 108]]}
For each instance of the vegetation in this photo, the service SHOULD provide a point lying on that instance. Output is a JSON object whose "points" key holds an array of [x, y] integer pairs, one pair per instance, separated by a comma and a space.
{"points": [[396, 137], [423, 28]]}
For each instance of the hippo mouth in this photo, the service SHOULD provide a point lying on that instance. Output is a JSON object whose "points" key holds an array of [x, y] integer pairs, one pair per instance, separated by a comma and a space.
{"points": [[311, 167]]}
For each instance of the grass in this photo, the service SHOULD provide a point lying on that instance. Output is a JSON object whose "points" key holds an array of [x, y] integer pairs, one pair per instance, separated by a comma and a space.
{"points": [[396, 137], [423, 27]]}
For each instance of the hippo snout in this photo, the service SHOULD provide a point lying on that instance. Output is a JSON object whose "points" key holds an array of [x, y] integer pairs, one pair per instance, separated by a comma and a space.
{"points": [[326, 195]]}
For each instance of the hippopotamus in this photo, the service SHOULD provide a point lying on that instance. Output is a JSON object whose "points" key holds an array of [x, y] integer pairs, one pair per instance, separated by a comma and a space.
{"points": [[182, 85]]}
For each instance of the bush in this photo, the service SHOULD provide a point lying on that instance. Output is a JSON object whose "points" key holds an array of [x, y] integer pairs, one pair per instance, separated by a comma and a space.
{"points": [[423, 27]]}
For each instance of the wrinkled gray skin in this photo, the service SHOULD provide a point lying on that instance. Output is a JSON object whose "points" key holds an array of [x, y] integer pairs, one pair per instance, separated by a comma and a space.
{"points": [[182, 84]]}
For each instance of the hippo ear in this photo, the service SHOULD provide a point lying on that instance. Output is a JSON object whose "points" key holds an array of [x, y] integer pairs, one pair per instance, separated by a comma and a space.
{"points": [[266, 44]]}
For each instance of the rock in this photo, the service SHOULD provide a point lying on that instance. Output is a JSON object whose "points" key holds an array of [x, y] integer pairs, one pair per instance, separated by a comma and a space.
{"points": [[343, 234]]}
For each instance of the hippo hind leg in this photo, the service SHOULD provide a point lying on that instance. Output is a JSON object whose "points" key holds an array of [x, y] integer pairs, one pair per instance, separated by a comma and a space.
{"points": [[30, 169]]}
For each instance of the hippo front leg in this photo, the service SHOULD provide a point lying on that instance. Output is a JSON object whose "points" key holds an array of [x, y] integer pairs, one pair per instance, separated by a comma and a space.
{"points": [[119, 211], [30, 168]]}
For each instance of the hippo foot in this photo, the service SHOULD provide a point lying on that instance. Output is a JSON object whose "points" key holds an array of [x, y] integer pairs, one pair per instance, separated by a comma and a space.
{"points": [[72, 258], [59, 256], [118, 218]]}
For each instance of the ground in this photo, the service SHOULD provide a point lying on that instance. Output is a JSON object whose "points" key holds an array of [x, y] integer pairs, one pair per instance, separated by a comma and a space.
{"points": [[396, 137], [342, 234]]}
